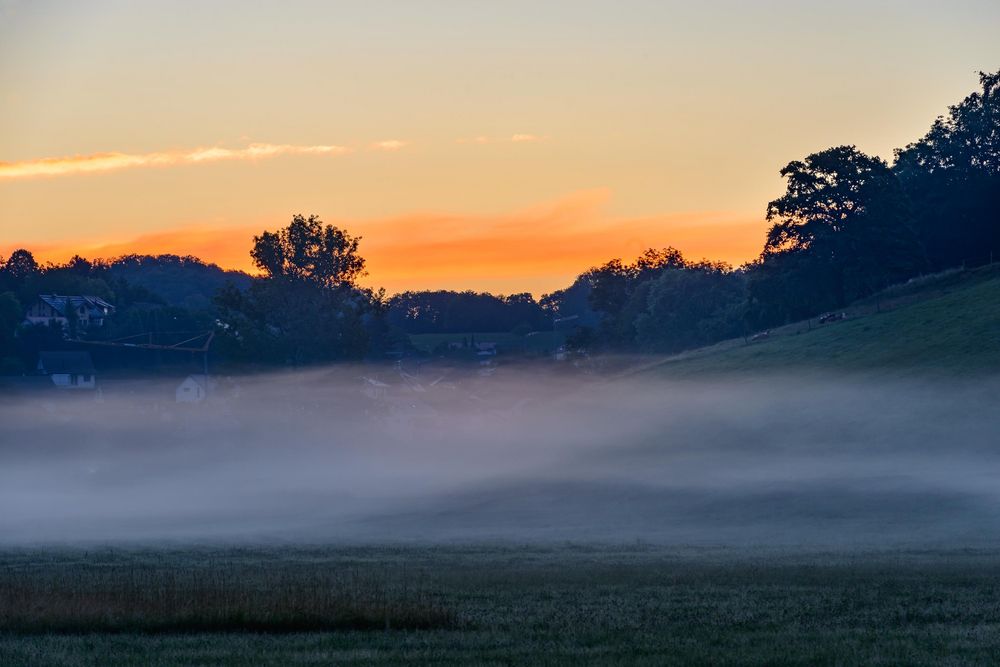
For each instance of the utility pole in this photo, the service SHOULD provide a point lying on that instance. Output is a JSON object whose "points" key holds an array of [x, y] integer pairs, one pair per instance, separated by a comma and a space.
{"points": [[204, 367]]}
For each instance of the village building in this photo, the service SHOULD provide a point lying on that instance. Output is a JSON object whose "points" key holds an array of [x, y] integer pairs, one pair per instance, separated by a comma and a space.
{"points": [[85, 311], [68, 370], [193, 389]]}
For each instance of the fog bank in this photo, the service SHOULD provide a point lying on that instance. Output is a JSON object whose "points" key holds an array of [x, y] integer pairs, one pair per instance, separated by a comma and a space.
{"points": [[437, 455]]}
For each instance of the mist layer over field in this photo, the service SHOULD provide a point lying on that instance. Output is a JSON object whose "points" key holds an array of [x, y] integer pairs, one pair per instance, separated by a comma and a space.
{"points": [[323, 456]]}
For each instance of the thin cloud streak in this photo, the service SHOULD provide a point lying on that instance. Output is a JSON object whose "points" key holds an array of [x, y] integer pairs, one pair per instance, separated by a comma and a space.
{"points": [[100, 162], [389, 145]]}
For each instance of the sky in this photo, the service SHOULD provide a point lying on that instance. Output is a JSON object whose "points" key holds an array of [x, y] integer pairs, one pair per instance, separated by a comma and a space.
{"points": [[503, 146]]}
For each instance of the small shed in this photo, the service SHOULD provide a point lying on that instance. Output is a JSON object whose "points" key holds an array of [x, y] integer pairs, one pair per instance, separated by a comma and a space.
{"points": [[68, 370], [192, 389]]}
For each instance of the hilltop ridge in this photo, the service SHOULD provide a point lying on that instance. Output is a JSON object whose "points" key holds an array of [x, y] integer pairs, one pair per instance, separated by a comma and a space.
{"points": [[947, 322]]}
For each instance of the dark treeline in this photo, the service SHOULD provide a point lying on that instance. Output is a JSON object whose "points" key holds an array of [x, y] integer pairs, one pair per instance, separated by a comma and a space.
{"points": [[151, 294], [463, 312], [180, 281], [848, 225], [659, 303]]}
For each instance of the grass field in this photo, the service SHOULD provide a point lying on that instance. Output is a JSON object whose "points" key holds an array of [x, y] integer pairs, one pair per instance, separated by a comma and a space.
{"points": [[942, 325], [161, 595], [567, 605]]}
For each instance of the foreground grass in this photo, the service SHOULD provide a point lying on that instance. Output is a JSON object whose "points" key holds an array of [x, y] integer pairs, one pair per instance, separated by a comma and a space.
{"points": [[125, 596], [568, 605]]}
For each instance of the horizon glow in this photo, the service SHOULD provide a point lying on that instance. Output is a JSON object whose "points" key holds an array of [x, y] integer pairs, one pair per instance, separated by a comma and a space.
{"points": [[491, 146]]}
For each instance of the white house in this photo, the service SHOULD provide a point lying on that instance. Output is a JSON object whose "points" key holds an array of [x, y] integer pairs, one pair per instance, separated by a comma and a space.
{"points": [[193, 389], [68, 370], [87, 311]]}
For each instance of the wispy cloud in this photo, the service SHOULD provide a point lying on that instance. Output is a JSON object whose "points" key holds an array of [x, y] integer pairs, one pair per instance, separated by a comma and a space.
{"points": [[98, 162], [520, 138], [389, 145]]}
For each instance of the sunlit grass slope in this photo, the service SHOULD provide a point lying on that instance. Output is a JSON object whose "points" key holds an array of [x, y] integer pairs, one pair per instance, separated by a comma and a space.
{"points": [[943, 324]]}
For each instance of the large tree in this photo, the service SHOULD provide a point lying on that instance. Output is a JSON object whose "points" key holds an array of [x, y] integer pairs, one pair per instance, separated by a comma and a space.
{"points": [[952, 175], [306, 307], [309, 251], [846, 213], [21, 265]]}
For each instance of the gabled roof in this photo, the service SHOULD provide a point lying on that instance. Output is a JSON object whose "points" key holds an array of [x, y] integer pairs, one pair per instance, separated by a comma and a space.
{"points": [[198, 378], [59, 302], [73, 363]]}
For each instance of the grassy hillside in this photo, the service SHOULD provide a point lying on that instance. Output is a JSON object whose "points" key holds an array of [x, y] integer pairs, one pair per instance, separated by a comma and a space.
{"points": [[943, 324]]}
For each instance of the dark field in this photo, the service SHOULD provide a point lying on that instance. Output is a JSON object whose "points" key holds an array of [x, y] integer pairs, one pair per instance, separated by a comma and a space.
{"points": [[498, 605], [195, 592]]}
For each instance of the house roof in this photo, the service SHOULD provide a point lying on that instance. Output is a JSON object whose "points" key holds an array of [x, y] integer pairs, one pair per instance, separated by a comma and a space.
{"points": [[199, 379], [92, 303], [74, 363]]}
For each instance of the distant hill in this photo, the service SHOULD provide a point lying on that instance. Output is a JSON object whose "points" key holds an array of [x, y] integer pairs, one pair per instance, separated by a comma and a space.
{"points": [[180, 281], [943, 324]]}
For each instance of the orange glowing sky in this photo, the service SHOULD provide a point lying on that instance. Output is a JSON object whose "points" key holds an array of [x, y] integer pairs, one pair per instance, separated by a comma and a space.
{"points": [[538, 249], [495, 146]]}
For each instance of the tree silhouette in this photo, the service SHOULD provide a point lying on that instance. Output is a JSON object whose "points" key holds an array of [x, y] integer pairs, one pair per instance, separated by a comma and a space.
{"points": [[307, 306], [309, 251], [952, 175], [847, 212], [21, 265]]}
